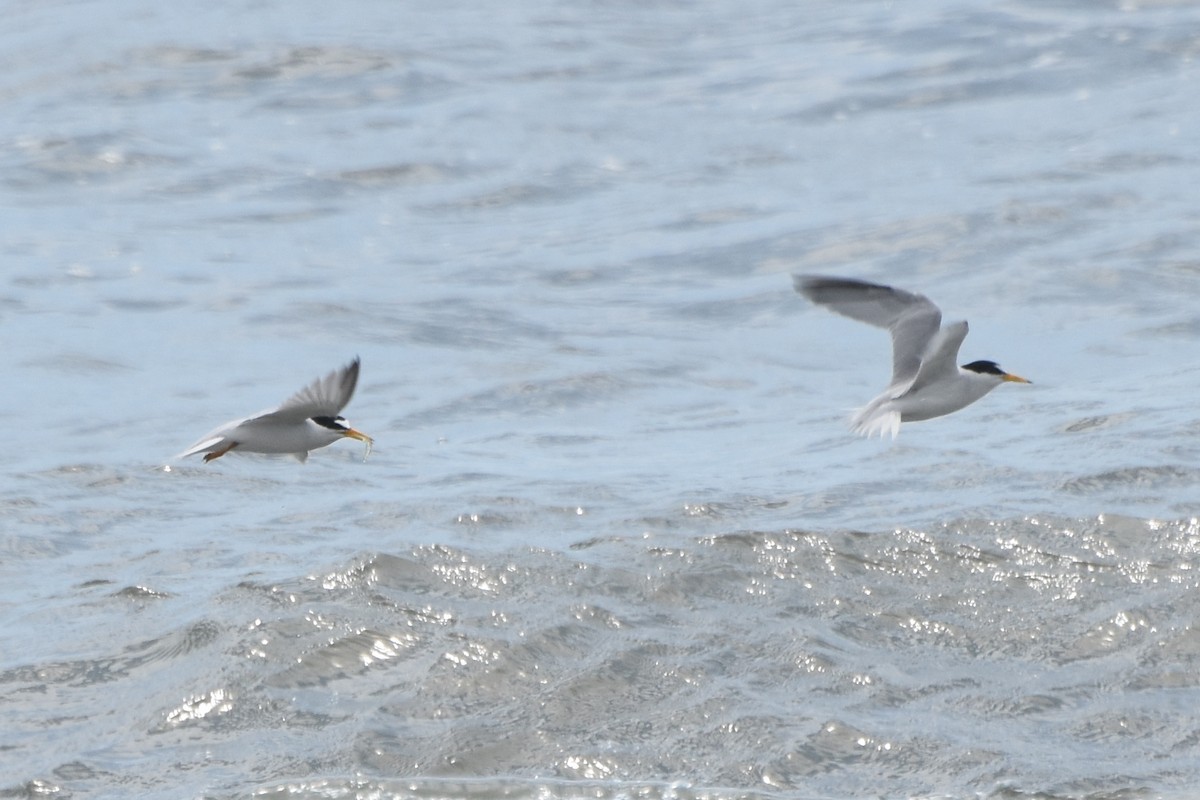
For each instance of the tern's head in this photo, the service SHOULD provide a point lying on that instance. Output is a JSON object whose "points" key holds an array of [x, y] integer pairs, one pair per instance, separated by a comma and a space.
{"points": [[991, 368], [339, 427]]}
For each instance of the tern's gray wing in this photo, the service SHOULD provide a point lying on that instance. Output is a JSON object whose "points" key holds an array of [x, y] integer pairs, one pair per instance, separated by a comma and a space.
{"points": [[323, 397], [911, 318], [941, 359]]}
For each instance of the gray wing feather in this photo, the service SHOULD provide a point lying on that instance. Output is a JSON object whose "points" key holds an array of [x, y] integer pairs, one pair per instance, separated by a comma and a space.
{"points": [[941, 360], [323, 397], [912, 319]]}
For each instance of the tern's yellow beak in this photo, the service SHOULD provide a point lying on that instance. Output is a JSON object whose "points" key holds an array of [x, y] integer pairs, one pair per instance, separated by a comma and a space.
{"points": [[362, 437], [350, 433], [1015, 378]]}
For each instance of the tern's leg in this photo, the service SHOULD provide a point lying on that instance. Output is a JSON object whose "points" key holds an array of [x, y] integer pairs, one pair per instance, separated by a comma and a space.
{"points": [[218, 453]]}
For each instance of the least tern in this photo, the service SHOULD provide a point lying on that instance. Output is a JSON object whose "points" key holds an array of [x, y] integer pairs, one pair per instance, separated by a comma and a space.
{"points": [[309, 419], [926, 382]]}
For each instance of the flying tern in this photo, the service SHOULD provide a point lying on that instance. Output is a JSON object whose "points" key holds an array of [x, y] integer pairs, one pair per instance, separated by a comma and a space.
{"points": [[926, 381], [309, 419]]}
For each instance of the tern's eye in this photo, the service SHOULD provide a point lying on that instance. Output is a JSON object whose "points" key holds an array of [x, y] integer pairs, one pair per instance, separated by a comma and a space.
{"points": [[333, 423]]}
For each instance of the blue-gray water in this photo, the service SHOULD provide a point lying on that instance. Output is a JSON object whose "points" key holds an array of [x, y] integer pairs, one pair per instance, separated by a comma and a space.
{"points": [[614, 540]]}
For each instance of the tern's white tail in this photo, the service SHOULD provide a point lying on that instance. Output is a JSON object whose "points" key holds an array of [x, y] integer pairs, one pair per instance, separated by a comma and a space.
{"points": [[204, 444], [876, 419]]}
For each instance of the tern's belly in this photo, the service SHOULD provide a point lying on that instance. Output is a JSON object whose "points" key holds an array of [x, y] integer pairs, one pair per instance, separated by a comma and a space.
{"points": [[287, 437], [941, 400]]}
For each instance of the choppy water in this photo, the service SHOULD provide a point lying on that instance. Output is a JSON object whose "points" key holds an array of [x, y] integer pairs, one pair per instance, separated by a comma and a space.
{"points": [[614, 539]]}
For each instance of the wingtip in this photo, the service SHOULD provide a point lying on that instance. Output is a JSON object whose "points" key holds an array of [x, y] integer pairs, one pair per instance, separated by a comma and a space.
{"points": [[801, 282], [351, 371], [824, 288]]}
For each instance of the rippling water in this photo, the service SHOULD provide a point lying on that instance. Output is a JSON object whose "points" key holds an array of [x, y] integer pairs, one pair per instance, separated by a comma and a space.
{"points": [[614, 540]]}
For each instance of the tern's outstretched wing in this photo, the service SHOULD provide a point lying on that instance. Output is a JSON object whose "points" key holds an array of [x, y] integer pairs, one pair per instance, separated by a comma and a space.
{"points": [[911, 318], [941, 360], [323, 397]]}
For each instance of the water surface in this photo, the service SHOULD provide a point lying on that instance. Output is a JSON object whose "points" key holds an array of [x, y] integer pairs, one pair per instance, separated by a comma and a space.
{"points": [[614, 539]]}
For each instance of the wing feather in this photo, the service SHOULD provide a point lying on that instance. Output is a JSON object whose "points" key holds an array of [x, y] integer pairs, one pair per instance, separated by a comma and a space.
{"points": [[323, 397], [941, 360], [912, 319]]}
